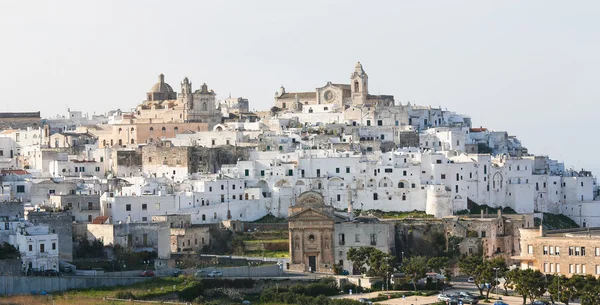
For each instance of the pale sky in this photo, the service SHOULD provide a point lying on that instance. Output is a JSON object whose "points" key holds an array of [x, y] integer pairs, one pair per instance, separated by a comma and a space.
{"points": [[528, 67]]}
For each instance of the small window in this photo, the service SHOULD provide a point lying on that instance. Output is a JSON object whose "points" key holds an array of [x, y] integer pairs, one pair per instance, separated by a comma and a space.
{"points": [[144, 206], [128, 207]]}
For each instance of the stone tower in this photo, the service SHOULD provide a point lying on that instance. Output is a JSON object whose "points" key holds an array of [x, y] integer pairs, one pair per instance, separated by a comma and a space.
{"points": [[359, 82]]}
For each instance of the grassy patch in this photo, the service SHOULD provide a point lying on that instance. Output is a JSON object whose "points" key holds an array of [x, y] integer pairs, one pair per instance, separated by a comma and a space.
{"points": [[270, 218], [258, 241], [393, 215], [556, 222], [277, 254]]}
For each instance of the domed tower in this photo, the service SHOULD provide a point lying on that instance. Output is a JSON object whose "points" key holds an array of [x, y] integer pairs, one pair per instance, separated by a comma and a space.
{"points": [[161, 91], [359, 83]]}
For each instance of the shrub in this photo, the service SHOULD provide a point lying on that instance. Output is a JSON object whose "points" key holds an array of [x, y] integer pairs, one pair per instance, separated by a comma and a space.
{"points": [[126, 295], [192, 290]]}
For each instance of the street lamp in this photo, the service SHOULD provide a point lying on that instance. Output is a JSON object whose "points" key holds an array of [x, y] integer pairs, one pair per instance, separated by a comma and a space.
{"points": [[497, 283]]}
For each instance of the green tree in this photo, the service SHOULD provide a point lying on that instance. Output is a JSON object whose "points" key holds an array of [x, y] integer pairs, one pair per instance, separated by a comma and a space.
{"points": [[528, 283], [486, 272], [468, 265], [437, 264], [415, 268], [371, 261], [589, 292], [565, 289], [8, 251], [453, 246], [358, 257]]}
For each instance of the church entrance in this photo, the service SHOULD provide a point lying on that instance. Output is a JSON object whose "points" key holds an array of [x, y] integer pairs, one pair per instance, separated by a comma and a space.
{"points": [[312, 263]]}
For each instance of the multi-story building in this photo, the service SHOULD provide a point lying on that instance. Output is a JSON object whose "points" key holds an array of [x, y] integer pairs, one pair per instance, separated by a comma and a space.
{"points": [[38, 246], [565, 252]]}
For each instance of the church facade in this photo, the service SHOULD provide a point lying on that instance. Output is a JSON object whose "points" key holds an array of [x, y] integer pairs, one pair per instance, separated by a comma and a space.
{"points": [[164, 105], [338, 96], [311, 229]]}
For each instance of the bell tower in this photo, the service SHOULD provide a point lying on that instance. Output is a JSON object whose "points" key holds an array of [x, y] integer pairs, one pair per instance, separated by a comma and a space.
{"points": [[359, 84]]}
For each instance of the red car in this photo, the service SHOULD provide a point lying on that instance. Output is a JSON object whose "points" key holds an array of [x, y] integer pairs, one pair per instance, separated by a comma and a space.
{"points": [[147, 273]]}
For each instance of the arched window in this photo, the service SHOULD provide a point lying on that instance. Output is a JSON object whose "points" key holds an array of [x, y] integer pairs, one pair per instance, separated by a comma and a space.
{"points": [[132, 129], [120, 129], [132, 141], [401, 185], [151, 128], [215, 215], [310, 110], [120, 142], [403, 196], [176, 128], [204, 107], [103, 142], [356, 86], [164, 128], [375, 196], [203, 217]]}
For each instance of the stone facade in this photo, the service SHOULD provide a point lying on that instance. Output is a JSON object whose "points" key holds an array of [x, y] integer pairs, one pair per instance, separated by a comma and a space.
{"points": [[498, 236], [566, 252], [58, 223], [311, 228], [19, 120]]}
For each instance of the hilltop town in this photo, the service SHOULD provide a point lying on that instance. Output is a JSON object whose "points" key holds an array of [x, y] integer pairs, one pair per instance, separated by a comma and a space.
{"points": [[185, 176]]}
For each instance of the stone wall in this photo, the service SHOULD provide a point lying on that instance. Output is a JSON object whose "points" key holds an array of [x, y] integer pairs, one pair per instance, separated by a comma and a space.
{"points": [[61, 224], [420, 237], [20, 120], [408, 139], [16, 285], [11, 209], [210, 159], [10, 267]]}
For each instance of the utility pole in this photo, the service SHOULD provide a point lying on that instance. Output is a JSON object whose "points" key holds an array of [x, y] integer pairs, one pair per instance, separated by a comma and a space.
{"points": [[497, 283]]}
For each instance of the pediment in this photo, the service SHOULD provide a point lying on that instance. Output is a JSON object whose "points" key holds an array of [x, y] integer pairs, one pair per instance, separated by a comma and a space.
{"points": [[309, 214]]}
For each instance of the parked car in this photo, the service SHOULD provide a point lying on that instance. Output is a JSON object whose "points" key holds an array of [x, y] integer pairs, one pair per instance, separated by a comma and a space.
{"points": [[541, 302], [246, 302], [500, 303], [51, 272], [177, 273], [471, 279], [466, 294], [35, 272], [200, 273], [444, 297], [468, 300], [147, 273], [365, 301], [215, 274]]}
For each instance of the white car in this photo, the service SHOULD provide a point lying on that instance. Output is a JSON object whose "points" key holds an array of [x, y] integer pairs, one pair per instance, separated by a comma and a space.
{"points": [[215, 274], [471, 279]]}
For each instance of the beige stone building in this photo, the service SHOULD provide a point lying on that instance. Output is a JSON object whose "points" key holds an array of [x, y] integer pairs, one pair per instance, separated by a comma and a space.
{"points": [[130, 135], [163, 105], [311, 233], [340, 96], [498, 235], [566, 252]]}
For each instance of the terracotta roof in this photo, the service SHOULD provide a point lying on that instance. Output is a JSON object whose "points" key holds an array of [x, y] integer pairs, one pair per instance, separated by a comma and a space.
{"points": [[8, 131], [301, 95], [14, 171], [100, 220], [480, 129]]}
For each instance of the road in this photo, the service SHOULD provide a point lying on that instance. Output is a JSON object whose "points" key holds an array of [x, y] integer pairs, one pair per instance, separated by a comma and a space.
{"points": [[460, 285]]}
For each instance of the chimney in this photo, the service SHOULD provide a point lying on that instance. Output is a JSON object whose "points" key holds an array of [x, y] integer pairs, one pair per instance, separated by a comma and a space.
{"points": [[542, 231], [481, 214]]}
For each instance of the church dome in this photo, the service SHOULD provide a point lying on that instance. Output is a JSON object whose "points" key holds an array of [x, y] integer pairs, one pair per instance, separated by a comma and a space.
{"points": [[161, 86]]}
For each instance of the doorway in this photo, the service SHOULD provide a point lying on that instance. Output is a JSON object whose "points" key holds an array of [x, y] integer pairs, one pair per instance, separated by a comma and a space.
{"points": [[312, 263]]}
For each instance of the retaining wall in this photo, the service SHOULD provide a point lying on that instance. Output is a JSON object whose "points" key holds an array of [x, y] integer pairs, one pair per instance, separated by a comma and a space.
{"points": [[14, 285]]}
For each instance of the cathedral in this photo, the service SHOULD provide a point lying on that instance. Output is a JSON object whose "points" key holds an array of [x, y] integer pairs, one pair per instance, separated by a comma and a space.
{"points": [[163, 105], [339, 96]]}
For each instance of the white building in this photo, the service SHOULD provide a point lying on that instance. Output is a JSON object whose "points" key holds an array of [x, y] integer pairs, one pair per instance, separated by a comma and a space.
{"points": [[38, 247]]}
